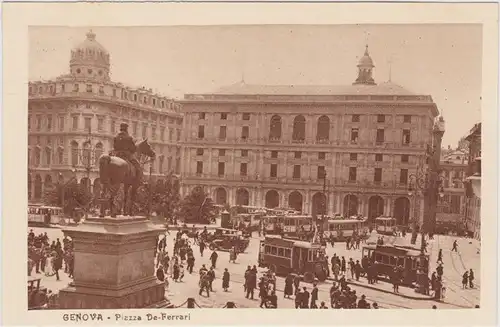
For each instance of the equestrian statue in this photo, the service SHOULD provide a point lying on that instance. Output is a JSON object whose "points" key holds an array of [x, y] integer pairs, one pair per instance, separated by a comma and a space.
{"points": [[122, 166]]}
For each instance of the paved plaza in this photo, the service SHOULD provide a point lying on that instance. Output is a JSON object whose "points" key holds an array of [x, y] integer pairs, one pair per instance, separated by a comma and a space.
{"points": [[455, 264]]}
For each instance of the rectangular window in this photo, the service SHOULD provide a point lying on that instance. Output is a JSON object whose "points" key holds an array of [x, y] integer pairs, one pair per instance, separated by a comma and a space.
{"points": [[201, 116], [144, 131], [274, 154], [403, 176], [88, 122], [223, 116], [101, 90], [153, 132], [113, 127], [321, 172], [244, 132], [380, 136], [76, 87], [114, 92], [171, 134], [321, 155], [246, 116], [274, 170], [134, 128], [49, 122], [199, 167], [244, 153], [154, 102], [296, 171], [406, 119], [380, 118], [353, 156], [221, 169], [222, 133], [89, 88], [162, 133], [243, 169], [61, 123], [201, 132], [352, 174], [222, 152], [377, 177], [199, 152], [355, 118], [297, 154], [178, 132], [354, 135], [379, 157], [100, 124], [405, 158], [75, 122], [406, 136]]}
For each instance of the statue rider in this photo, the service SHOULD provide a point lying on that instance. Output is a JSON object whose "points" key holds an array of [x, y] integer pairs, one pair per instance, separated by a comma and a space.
{"points": [[124, 147]]}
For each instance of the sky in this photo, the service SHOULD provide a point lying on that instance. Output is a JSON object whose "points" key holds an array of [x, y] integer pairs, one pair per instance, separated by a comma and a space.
{"points": [[443, 61]]}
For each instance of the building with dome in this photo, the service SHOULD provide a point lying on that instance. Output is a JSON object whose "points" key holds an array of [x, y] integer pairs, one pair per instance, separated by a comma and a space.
{"points": [[295, 145], [73, 118]]}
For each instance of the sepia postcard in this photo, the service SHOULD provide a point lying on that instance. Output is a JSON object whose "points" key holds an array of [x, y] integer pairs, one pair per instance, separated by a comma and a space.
{"points": [[165, 158]]}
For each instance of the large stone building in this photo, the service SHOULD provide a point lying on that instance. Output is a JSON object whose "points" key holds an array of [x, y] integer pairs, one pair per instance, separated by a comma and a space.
{"points": [[473, 186], [72, 120], [265, 145], [452, 205]]}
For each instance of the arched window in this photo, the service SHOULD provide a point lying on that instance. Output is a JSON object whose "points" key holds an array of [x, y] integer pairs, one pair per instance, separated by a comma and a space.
{"points": [[38, 187], [74, 153], [87, 155], [37, 156], [161, 161], [275, 128], [48, 156], [323, 132], [299, 129], [98, 152]]}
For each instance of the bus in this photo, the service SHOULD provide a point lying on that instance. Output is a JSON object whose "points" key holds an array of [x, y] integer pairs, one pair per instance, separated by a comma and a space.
{"points": [[342, 229], [285, 256], [45, 215], [385, 225]]}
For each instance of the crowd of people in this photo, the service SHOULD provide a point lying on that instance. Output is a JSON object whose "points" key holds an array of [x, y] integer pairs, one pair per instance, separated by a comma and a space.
{"points": [[47, 258]]}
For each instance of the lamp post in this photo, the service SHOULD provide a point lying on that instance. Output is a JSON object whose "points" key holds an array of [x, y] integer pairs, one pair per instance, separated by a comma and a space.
{"points": [[87, 159], [63, 195]]}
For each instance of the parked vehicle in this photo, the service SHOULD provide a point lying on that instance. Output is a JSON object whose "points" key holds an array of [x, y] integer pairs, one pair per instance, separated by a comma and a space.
{"points": [[225, 239]]}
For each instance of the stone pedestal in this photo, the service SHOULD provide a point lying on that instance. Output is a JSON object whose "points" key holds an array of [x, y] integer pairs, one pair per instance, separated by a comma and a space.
{"points": [[114, 265]]}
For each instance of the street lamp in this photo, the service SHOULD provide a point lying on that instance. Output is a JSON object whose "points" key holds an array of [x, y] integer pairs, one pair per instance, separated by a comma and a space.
{"points": [[63, 195], [87, 159]]}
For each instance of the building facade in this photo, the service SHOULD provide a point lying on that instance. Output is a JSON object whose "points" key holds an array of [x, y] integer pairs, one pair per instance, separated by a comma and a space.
{"points": [[73, 118], [452, 206], [352, 147], [473, 185]]}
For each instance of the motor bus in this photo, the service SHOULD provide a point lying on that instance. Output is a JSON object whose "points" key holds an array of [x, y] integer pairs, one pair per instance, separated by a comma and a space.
{"points": [[44, 215], [285, 256], [342, 229], [389, 256], [385, 225]]}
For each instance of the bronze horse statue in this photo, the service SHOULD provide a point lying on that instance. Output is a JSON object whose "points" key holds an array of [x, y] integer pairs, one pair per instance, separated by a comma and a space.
{"points": [[114, 171]]}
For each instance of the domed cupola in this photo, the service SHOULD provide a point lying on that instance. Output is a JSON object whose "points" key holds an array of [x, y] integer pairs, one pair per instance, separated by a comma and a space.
{"points": [[90, 59], [365, 70]]}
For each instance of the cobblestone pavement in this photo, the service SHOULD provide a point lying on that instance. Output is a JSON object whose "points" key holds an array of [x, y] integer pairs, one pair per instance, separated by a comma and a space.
{"points": [[177, 293]]}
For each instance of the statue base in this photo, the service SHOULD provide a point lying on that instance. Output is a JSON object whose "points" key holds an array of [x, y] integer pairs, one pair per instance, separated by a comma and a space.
{"points": [[114, 265]]}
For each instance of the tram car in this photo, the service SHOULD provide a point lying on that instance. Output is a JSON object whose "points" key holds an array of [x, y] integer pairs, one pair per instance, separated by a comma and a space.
{"points": [[284, 256], [385, 225], [342, 229], [387, 257], [40, 215]]}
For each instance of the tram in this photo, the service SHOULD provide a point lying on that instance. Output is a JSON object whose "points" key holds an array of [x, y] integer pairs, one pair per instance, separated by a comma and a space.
{"points": [[44, 215], [342, 229], [285, 256], [385, 225], [386, 257], [290, 226]]}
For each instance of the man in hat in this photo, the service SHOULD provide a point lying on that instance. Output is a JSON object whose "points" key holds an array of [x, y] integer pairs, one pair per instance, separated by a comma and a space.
{"points": [[124, 147]]}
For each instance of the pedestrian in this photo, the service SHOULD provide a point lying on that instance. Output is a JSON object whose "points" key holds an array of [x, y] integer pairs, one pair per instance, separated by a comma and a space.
{"points": [[202, 247], [471, 278], [298, 298], [314, 296], [213, 258], [440, 256], [362, 303], [433, 281], [181, 272], [160, 274], [296, 283], [305, 298], [357, 270], [225, 280], [288, 291], [375, 305], [343, 266], [465, 279], [395, 280], [176, 273], [262, 292], [440, 270], [455, 246], [323, 305], [211, 275], [351, 267]]}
